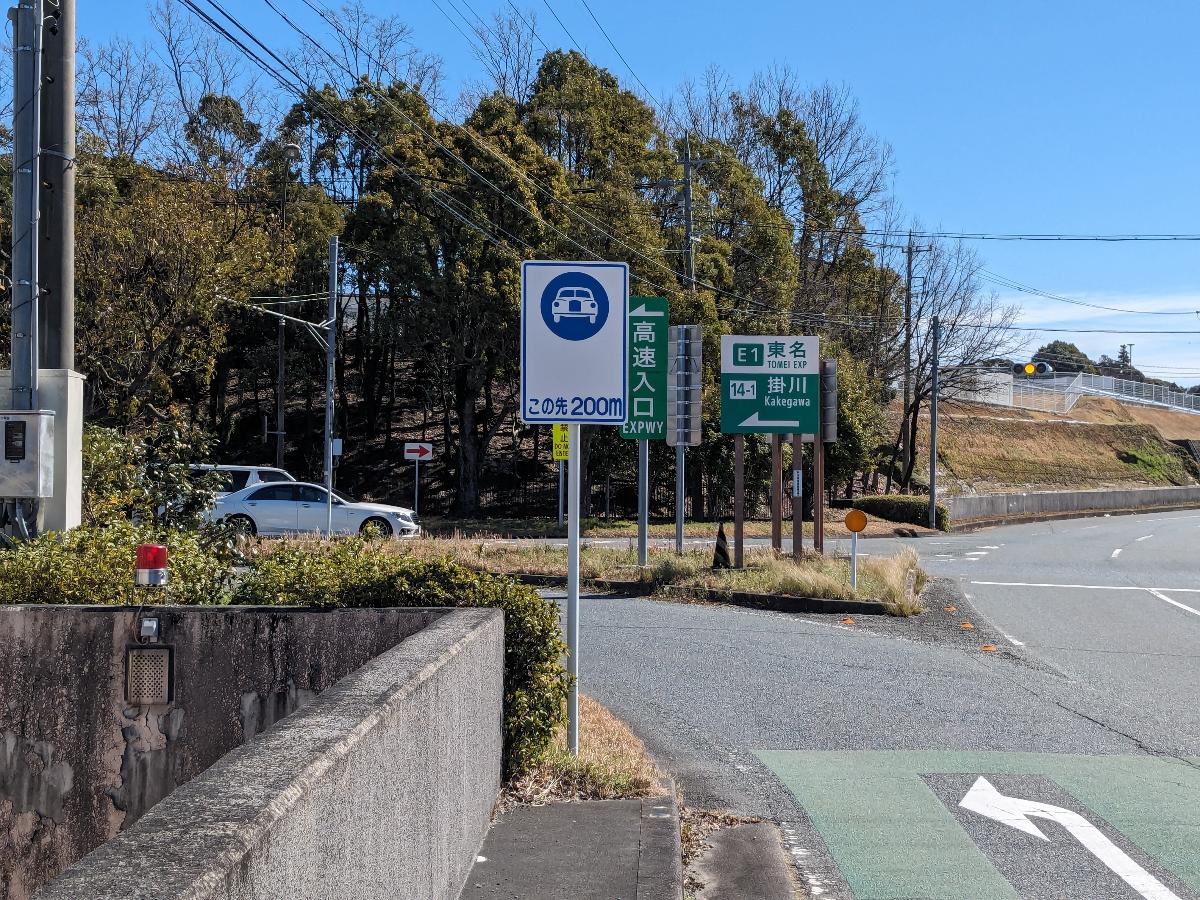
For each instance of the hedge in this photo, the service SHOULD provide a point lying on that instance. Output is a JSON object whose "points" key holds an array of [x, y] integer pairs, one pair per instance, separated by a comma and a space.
{"points": [[96, 566], [360, 573], [902, 508]]}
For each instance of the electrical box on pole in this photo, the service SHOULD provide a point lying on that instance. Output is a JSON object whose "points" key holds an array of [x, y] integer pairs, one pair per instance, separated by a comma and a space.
{"points": [[27, 468]]}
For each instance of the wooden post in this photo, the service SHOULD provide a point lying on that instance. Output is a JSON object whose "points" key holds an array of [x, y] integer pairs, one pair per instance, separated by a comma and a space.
{"points": [[797, 502], [739, 496], [776, 493]]}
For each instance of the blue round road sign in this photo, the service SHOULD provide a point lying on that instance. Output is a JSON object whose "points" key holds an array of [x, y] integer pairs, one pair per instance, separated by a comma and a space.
{"points": [[574, 306]]}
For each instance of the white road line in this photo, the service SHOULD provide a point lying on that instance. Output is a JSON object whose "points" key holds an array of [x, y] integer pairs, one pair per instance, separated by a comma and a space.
{"points": [[1116, 553], [1145, 538], [976, 553], [1090, 587], [1166, 599], [988, 547], [1013, 640]]}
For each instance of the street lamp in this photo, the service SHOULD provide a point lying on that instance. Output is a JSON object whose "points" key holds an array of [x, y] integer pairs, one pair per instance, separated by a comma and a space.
{"points": [[291, 154]]}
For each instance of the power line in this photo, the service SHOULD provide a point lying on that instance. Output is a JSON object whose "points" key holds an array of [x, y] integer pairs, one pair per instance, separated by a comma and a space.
{"points": [[1007, 282]]}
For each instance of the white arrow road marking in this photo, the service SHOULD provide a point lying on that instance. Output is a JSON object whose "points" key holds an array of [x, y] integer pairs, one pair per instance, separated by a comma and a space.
{"points": [[755, 420], [1145, 538], [1116, 553], [642, 311], [984, 799]]}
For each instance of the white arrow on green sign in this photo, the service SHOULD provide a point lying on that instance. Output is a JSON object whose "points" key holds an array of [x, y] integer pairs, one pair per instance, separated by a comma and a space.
{"points": [[647, 365], [770, 385]]}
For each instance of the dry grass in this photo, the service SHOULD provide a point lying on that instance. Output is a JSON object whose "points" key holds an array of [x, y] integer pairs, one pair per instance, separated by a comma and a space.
{"points": [[894, 581], [612, 764]]}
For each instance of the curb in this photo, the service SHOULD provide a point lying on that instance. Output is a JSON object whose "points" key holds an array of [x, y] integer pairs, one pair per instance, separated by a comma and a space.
{"points": [[970, 525], [660, 857], [771, 602]]}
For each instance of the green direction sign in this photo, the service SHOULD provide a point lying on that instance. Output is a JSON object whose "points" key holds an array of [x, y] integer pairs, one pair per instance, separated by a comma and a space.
{"points": [[647, 365], [770, 385]]}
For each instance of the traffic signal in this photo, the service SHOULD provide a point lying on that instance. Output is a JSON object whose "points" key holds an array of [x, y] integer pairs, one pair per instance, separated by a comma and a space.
{"points": [[1029, 369]]}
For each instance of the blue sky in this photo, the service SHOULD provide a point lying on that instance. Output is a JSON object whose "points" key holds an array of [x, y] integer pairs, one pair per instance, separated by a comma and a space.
{"points": [[1067, 116]]}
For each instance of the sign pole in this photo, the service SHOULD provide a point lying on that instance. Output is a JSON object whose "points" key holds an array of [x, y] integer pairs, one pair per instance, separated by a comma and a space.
{"points": [[739, 497], [819, 495], [679, 499], [560, 493], [330, 375], [573, 590], [776, 493], [933, 426], [797, 497], [417, 489], [643, 500], [854, 559]]}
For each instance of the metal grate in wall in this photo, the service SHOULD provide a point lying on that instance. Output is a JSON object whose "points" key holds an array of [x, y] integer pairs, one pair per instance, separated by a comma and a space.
{"points": [[149, 675]]}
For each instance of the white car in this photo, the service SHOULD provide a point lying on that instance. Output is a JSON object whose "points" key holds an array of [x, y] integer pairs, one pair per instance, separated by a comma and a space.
{"points": [[234, 478], [300, 508], [574, 303]]}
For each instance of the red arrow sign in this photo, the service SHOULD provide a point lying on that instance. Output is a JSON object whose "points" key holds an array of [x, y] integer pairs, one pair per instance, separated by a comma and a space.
{"points": [[418, 451]]}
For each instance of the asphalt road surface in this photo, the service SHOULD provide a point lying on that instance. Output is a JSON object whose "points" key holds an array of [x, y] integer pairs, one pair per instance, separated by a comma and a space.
{"points": [[902, 761]]}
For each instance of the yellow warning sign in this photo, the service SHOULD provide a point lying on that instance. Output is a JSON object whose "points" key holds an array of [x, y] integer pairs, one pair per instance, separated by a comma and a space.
{"points": [[562, 443]]}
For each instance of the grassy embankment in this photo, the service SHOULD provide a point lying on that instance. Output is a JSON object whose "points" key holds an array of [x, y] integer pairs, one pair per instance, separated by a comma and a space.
{"points": [[992, 449], [892, 581]]}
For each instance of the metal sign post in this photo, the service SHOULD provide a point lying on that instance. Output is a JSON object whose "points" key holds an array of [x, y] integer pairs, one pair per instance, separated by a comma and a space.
{"points": [[797, 497], [776, 493], [417, 451], [330, 378], [647, 396], [684, 385], [574, 345], [856, 521], [561, 446], [739, 499]]}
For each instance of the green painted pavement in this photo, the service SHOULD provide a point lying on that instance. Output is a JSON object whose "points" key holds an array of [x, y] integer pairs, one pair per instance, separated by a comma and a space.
{"points": [[892, 837]]}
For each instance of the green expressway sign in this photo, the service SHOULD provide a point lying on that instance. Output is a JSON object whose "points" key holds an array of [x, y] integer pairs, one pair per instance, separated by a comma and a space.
{"points": [[647, 365], [770, 385]]}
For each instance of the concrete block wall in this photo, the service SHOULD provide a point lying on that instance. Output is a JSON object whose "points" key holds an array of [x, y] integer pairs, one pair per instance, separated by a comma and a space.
{"points": [[78, 765], [1048, 503], [382, 787]]}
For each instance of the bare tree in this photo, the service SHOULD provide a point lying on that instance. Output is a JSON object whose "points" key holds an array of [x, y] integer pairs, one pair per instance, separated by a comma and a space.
{"points": [[974, 327], [199, 64], [120, 96], [507, 51]]}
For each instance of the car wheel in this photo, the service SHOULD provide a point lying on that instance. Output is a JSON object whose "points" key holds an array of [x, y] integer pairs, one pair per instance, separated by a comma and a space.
{"points": [[591, 320], [376, 527], [557, 318], [242, 525]]}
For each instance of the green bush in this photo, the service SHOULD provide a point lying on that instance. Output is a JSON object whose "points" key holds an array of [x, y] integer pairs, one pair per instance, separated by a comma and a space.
{"points": [[902, 508], [359, 573], [96, 566]]}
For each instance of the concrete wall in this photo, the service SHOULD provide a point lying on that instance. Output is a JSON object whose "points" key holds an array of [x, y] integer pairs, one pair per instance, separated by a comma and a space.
{"points": [[382, 787], [1049, 503], [78, 765]]}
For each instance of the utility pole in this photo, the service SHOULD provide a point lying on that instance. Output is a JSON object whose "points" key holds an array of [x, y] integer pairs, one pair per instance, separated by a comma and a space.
{"points": [[330, 372], [291, 151], [56, 310], [933, 425], [906, 450], [27, 125], [680, 481]]}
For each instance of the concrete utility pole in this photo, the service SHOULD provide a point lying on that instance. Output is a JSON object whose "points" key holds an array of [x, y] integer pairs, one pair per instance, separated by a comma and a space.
{"points": [[906, 450], [680, 481], [933, 425], [27, 127], [56, 311]]}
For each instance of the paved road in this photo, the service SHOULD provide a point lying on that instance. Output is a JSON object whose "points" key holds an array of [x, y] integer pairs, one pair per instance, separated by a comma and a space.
{"points": [[1076, 751]]}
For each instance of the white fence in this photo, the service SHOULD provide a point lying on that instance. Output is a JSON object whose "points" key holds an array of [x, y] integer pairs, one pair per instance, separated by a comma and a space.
{"points": [[1060, 393]]}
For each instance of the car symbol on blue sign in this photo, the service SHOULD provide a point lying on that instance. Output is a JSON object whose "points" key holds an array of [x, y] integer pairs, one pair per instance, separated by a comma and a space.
{"points": [[574, 306]]}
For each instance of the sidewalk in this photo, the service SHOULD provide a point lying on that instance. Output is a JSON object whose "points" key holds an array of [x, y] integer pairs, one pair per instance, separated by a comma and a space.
{"points": [[589, 850]]}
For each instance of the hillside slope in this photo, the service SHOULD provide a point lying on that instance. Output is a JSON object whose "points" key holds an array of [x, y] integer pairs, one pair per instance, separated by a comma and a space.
{"points": [[987, 448]]}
